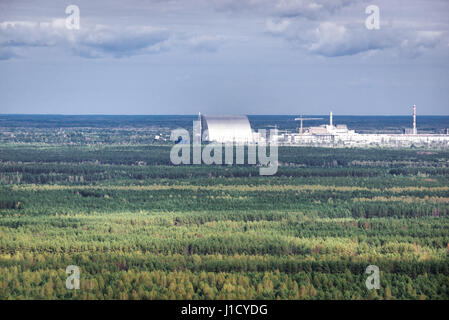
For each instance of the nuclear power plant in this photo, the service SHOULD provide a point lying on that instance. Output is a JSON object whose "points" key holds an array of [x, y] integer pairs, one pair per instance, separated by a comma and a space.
{"points": [[228, 129], [340, 135]]}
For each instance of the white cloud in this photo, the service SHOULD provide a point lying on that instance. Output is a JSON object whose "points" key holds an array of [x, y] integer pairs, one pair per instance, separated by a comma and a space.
{"points": [[205, 42], [98, 41], [328, 35], [319, 27], [335, 28], [331, 39], [292, 8], [128, 41], [310, 9]]}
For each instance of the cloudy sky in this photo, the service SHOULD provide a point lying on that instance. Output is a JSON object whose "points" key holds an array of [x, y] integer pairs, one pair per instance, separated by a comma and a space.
{"points": [[224, 57]]}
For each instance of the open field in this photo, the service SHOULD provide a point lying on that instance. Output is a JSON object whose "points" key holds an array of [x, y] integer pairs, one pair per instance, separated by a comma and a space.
{"points": [[140, 228]]}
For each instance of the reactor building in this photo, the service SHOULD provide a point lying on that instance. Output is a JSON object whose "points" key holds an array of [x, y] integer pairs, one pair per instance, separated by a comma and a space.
{"points": [[226, 129], [339, 135]]}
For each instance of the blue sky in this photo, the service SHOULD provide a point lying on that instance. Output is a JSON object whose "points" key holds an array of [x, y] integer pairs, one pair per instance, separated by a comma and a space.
{"points": [[224, 57]]}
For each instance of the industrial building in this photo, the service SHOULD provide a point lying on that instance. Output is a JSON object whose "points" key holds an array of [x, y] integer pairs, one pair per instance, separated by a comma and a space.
{"points": [[237, 129], [340, 135], [226, 129]]}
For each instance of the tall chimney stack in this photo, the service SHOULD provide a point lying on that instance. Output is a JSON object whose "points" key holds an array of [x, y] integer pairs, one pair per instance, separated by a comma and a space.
{"points": [[414, 119], [330, 119]]}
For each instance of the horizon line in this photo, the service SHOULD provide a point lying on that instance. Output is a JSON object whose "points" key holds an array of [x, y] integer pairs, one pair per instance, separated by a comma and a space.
{"points": [[180, 114]]}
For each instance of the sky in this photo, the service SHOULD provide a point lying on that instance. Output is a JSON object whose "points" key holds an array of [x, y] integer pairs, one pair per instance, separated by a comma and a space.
{"points": [[224, 57]]}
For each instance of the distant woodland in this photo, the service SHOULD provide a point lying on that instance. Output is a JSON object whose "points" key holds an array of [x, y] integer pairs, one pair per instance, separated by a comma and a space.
{"points": [[139, 227]]}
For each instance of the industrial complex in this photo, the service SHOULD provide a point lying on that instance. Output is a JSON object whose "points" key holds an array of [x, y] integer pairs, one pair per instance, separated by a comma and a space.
{"points": [[237, 129]]}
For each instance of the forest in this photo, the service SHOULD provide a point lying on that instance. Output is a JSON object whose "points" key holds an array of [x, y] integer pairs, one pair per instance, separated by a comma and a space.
{"points": [[139, 227]]}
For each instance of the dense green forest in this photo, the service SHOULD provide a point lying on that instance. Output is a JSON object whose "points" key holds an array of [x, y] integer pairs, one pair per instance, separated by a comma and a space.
{"points": [[140, 228]]}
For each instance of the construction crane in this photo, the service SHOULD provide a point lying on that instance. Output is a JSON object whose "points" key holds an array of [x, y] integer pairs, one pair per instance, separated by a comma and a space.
{"points": [[301, 119]]}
